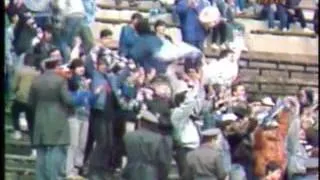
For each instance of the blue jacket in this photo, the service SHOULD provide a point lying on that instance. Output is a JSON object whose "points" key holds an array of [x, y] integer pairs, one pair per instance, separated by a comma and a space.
{"points": [[144, 50], [191, 28], [99, 79], [128, 36]]}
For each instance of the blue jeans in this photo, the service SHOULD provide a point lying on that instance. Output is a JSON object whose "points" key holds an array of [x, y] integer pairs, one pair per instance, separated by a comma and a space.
{"points": [[71, 28], [240, 4], [51, 162], [271, 14]]}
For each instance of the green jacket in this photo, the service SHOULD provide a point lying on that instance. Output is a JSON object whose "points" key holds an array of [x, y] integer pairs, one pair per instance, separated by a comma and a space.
{"points": [[50, 101], [22, 82]]}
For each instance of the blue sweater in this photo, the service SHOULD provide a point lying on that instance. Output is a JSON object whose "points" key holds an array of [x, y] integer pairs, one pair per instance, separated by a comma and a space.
{"points": [[128, 37]]}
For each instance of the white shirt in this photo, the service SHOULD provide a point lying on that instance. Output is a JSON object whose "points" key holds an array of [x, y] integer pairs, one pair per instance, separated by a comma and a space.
{"points": [[220, 72]]}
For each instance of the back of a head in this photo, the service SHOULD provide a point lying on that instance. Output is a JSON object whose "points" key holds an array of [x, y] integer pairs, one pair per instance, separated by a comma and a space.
{"points": [[143, 27], [76, 63], [159, 23], [136, 16], [105, 33]]}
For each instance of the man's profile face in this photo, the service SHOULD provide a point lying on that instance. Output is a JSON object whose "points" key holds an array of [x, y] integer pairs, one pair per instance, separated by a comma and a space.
{"points": [[106, 41], [240, 91]]}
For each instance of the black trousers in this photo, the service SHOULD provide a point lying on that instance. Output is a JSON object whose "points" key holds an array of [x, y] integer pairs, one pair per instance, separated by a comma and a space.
{"points": [[181, 160], [20, 107], [298, 14], [102, 153]]}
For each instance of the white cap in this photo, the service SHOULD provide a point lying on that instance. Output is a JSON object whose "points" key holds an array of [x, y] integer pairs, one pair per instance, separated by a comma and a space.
{"points": [[267, 101], [229, 117]]}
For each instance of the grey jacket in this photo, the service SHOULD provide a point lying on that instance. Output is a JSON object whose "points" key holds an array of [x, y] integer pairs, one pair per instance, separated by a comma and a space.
{"points": [[50, 101], [206, 162]]}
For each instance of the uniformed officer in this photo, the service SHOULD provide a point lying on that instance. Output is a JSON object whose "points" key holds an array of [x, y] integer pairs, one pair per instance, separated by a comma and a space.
{"points": [[208, 161]]}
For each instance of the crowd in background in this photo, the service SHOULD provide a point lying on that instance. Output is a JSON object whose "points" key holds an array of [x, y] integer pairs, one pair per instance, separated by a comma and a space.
{"points": [[151, 101]]}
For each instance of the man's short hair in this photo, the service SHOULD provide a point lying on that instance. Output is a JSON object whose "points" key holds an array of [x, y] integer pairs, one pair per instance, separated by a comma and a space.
{"points": [[234, 87], [136, 16], [47, 28], [105, 33], [159, 23]]}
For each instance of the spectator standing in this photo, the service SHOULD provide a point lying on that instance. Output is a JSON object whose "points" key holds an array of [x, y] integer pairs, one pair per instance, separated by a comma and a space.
{"points": [[44, 47], [49, 99], [192, 30], [21, 86], [186, 134], [128, 35], [79, 119], [101, 123]]}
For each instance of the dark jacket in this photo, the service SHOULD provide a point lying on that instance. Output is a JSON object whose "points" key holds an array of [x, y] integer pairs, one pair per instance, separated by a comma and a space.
{"points": [[292, 3], [23, 35], [149, 155], [50, 100]]}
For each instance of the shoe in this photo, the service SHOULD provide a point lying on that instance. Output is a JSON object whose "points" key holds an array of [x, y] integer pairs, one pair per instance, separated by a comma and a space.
{"points": [[284, 30], [307, 30], [214, 46], [33, 153], [223, 46], [17, 135]]}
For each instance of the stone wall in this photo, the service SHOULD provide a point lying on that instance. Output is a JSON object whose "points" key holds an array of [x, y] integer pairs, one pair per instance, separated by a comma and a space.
{"points": [[277, 78]]}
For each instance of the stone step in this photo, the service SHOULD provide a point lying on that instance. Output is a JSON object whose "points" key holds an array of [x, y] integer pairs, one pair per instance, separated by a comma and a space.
{"points": [[23, 165], [123, 16], [255, 42], [146, 5]]}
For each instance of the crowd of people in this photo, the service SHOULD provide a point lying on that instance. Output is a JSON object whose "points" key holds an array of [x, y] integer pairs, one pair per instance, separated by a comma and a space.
{"points": [[128, 113]]}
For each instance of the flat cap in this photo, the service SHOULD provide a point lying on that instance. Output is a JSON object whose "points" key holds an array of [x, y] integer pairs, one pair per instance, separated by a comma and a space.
{"points": [[211, 132]]}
